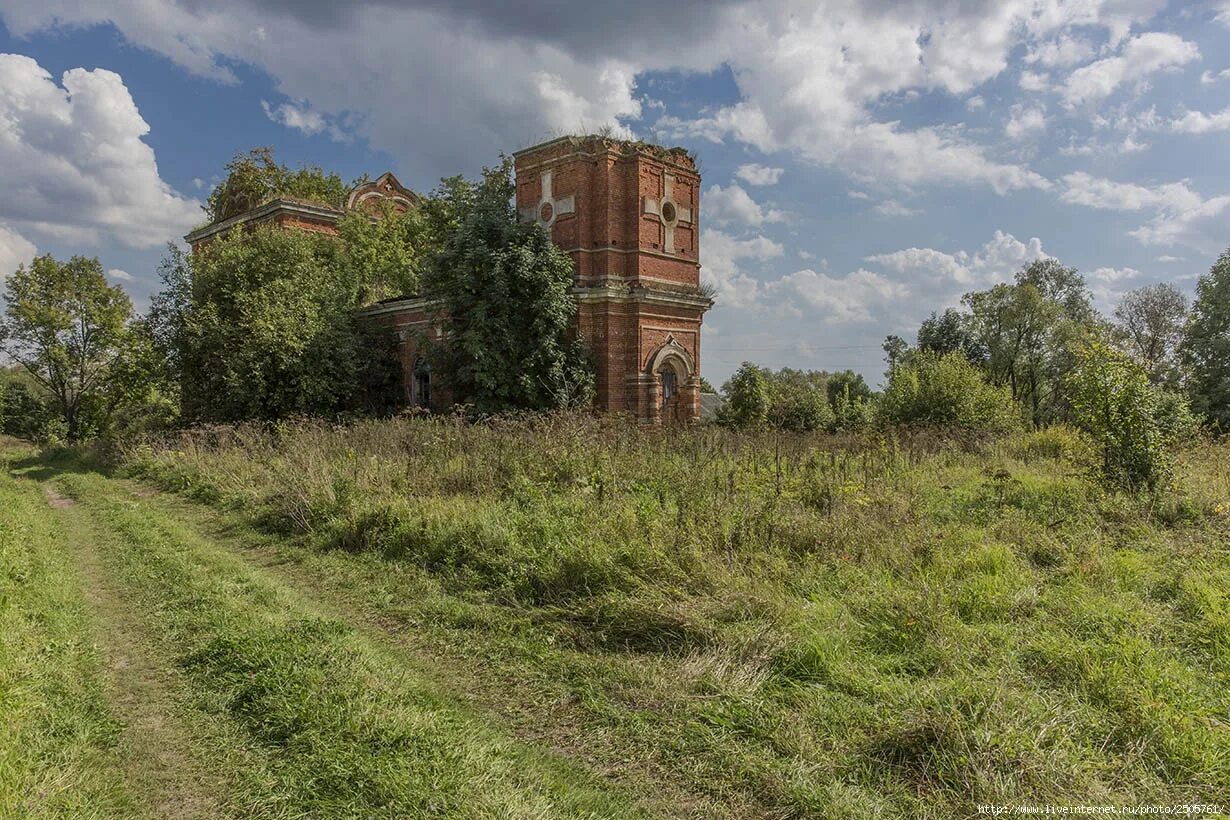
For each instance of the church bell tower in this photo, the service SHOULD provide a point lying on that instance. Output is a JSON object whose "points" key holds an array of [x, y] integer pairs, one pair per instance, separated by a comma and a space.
{"points": [[627, 212]]}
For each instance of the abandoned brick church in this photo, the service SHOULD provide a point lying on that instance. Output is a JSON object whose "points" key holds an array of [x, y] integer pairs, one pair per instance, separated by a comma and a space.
{"points": [[627, 213]]}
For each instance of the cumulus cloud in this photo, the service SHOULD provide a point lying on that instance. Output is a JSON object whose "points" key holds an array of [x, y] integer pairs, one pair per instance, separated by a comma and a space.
{"points": [[720, 257], [73, 164], [1140, 57], [1210, 77], [300, 117], [120, 275], [996, 261], [808, 75], [1024, 121], [854, 297], [734, 205], [15, 250], [1060, 52], [1181, 215], [1202, 227], [1104, 194], [1198, 122], [754, 174]]}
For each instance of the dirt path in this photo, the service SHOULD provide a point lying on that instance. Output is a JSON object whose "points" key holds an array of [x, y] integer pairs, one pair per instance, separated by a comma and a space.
{"points": [[156, 744]]}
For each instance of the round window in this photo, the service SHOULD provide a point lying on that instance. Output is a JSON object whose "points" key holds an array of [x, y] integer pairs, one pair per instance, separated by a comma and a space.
{"points": [[546, 212], [668, 212]]}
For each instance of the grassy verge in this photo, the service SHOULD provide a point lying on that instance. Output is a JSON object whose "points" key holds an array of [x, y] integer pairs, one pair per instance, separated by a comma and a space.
{"points": [[313, 720], [58, 739], [809, 626]]}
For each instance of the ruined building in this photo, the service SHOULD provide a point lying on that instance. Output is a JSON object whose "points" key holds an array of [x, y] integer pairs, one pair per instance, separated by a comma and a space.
{"points": [[627, 213]]}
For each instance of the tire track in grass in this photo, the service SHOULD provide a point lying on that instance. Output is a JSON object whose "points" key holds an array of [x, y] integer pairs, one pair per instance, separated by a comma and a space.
{"points": [[546, 716], [157, 748], [319, 720]]}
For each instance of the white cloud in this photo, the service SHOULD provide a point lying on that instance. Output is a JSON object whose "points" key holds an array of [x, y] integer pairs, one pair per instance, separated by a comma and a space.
{"points": [[1025, 121], [996, 261], [1202, 227], [73, 164], [891, 207], [1198, 122], [300, 117], [976, 103], [1061, 52], [1210, 77], [1033, 81], [720, 257], [1143, 55], [809, 75], [1168, 258], [850, 298], [858, 195], [120, 275], [1113, 275], [734, 205], [1181, 216], [15, 250], [1104, 194], [754, 174]]}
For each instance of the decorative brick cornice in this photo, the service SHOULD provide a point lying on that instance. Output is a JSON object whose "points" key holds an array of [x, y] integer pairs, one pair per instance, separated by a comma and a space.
{"points": [[272, 208]]}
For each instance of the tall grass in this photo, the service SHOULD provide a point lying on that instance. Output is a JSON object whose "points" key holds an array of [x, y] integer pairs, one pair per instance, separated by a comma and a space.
{"points": [[822, 625], [58, 737]]}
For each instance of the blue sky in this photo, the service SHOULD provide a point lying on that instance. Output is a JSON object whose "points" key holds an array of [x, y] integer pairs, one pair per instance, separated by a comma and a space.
{"points": [[864, 162]]}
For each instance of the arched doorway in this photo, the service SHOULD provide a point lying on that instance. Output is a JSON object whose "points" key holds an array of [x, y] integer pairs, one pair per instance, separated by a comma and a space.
{"points": [[671, 390]]}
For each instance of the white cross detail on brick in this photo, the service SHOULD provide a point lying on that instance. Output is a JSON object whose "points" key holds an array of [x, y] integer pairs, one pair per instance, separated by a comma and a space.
{"points": [[548, 209], [668, 212]]}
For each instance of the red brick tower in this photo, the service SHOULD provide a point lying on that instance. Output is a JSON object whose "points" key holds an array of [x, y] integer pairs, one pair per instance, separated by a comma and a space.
{"points": [[627, 213]]}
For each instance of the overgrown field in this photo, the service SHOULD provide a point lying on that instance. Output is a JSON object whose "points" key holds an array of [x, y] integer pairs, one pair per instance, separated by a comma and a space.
{"points": [[748, 625]]}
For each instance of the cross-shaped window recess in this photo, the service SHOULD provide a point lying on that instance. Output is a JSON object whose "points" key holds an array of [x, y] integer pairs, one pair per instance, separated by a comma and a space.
{"points": [[668, 212], [548, 208]]}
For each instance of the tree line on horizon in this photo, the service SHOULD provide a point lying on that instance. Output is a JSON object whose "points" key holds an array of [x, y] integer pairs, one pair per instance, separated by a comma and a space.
{"points": [[1032, 353]]}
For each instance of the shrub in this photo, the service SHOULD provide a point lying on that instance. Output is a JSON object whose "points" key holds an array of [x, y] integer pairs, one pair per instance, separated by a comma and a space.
{"points": [[1133, 422], [946, 390]]}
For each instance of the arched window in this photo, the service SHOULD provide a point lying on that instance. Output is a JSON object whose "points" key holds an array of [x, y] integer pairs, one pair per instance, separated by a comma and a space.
{"points": [[670, 385], [420, 384]]}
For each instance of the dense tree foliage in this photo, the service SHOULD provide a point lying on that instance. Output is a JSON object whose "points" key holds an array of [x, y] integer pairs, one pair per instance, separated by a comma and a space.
{"points": [[949, 333], [1025, 331], [798, 400], [506, 291], [262, 324], [1134, 423], [385, 254], [948, 391], [255, 177], [1205, 350], [69, 329]]}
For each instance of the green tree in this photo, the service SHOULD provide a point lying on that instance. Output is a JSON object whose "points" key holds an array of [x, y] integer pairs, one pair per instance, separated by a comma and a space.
{"points": [[896, 351], [384, 252], [747, 398], [947, 391], [947, 333], [262, 324], [1026, 330], [506, 291], [798, 400], [1134, 423], [255, 177], [1205, 349], [68, 328], [1149, 326]]}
